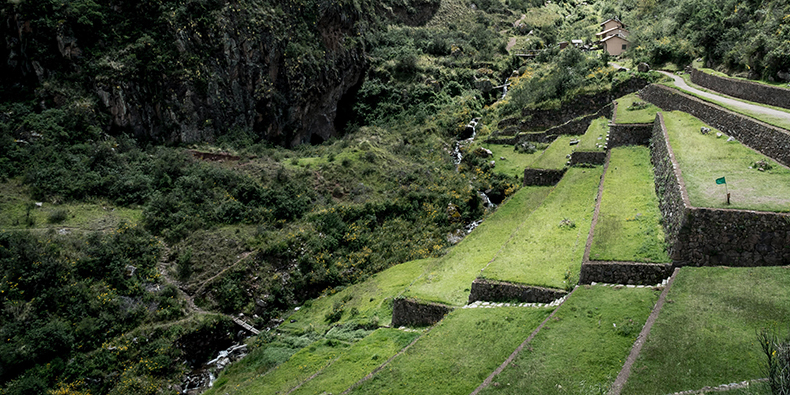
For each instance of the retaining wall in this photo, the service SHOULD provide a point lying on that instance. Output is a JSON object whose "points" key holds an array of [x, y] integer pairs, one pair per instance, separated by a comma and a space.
{"points": [[629, 134], [409, 312], [709, 237], [624, 272], [747, 90], [542, 177], [495, 291], [588, 157], [769, 140]]}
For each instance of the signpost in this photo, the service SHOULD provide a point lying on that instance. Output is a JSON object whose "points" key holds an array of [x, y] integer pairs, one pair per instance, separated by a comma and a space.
{"points": [[720, 181]]}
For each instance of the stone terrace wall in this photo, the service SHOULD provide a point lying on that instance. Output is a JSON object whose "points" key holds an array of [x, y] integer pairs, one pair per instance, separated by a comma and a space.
{"points": [[578, 106], [409, 312], [667, 181], [588, 157], [542, 177], [714, 237], [629, 134], [579, 126], [747, 90], [767, 139], [624, 272], [495, 291], [709, 237]]}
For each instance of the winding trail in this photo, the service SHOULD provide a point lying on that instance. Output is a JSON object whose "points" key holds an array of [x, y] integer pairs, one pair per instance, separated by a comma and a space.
{"points": [[720, 98]]}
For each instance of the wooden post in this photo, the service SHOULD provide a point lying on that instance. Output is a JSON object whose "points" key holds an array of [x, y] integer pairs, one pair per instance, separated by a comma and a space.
{"points": [[728, 198]]}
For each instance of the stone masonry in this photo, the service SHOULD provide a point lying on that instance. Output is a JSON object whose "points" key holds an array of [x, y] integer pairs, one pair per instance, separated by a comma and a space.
{"points": [[746, 90], [495, 291]]}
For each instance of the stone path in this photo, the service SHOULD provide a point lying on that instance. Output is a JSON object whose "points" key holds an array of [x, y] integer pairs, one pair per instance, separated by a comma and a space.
{"points": [[742, 105], [619, 383]]}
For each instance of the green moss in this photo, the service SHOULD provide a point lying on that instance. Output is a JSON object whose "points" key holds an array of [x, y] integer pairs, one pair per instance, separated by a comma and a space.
{"points": [[548, 249], [592, 332], [458, 353], [629, 223], [706, 333]]}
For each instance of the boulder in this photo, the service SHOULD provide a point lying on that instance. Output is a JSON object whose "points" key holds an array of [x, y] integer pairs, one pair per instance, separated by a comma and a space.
{"points": [[483, 152], [643, 67]]}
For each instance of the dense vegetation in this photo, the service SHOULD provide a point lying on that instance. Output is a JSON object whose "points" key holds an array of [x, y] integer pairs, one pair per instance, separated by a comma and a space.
{"points": [[100, 99]]}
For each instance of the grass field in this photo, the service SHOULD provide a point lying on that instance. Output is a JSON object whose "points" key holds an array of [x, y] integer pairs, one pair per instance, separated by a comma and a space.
{"points": [[556, 155], [705, 158], [595, 135], [706, 333], [514, 163], [358, 361], [284, 377], [96, 216], [450, 278], [560, 360], [629, 223], [458, 353], [628, 114], [548, 250]]}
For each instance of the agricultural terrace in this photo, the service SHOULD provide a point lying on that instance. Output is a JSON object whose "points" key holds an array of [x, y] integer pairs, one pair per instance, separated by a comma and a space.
{"points": [[595, 137], [609, 319], [450, 278], [629, 222], [632, 109], [515, 162], [706, 333], [458, 353], [556, 155], [703, 158], [547, 251], [361, 359]]}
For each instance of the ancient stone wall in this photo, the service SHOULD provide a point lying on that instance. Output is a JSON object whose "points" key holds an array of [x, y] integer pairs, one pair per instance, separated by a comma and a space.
{"points": [[588, 157], [767, 139], [409, 312], [747, 90], [624, 272], [495, 291], [709, 237], [542, 177], [579, 126], [629, 134]]}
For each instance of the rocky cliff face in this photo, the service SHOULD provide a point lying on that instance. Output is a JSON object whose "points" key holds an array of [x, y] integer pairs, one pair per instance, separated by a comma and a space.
{"points": [[190, 71]]}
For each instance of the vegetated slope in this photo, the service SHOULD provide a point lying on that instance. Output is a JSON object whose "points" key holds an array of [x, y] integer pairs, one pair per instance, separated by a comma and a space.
{"points": [[738, 37], [91, 88]]}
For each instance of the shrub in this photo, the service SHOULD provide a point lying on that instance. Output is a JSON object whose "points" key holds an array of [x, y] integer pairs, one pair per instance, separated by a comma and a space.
{"points": [[58, 216], [777, 361]]}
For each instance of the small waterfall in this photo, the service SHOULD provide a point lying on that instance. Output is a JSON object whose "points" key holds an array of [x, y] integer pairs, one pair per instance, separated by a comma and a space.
{"points": [[471, 128], [486, 200], [504, 89], [202, 378]]}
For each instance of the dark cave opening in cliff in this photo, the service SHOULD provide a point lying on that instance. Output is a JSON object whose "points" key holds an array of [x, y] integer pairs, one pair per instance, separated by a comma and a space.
{"points": [[345, 115]]}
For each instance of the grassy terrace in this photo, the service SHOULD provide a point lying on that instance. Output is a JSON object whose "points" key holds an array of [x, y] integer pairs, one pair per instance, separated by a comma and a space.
{"points": [[284, 377], [99, 215], [771, 120], [458, 353], [629, 223], [704, 158], [449, 279], [626, 113], [560, 361], [706, 334], [370, 300], [596, 134], [358, 361], [514, 163], [555, 156], [548, 250]]}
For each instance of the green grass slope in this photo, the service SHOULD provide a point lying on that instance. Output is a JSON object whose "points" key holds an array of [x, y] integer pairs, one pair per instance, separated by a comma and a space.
{"points": [[629, 223], [449, 279], [547, 251], [560, 360], [458, 354], [706, 333]]}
